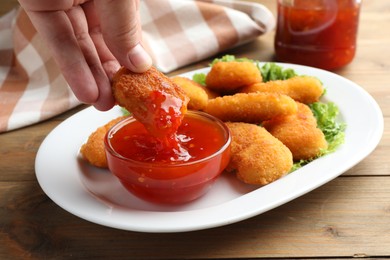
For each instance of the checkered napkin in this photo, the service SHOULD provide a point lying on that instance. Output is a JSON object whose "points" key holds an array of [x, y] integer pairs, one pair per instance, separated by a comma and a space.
{"points": [[175, 32]]}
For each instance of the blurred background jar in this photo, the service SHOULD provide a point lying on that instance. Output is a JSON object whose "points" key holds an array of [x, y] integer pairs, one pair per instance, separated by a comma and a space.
{"points": [[318, 33]]}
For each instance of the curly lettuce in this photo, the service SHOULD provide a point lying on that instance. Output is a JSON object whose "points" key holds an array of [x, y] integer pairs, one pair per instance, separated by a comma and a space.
{"points": [[271, 71], [199, 78], [334, 131], [229, 58]]}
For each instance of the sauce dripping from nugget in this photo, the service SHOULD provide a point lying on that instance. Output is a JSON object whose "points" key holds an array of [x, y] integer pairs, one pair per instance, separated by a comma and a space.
{"points": [[156, 102]]}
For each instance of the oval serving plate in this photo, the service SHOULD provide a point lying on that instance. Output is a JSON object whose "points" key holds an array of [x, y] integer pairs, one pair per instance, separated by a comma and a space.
{"points": [[95, 194]]}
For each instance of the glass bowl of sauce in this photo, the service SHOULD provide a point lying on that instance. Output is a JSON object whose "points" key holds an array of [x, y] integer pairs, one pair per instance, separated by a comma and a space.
{"points": [[164, 174], [318, 33]]}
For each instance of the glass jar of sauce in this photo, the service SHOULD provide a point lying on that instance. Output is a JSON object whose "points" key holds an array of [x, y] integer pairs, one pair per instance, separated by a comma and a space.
{"points": [[318, 33]]}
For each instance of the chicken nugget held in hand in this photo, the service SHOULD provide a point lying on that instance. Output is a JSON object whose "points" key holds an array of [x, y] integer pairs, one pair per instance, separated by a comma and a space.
{"points": [[257, 157], [152, 98], [227, 77]]}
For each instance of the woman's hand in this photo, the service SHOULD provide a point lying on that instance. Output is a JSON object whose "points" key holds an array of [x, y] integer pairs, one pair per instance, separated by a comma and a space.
{"points": [[89, 40]]}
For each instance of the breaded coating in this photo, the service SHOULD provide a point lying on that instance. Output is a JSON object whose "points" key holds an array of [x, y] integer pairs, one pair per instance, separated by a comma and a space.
{"points": [[251, 107], [93, 150], [257, 157], [152, 98], [299, 133], [304, 89], [198, 94], [226, 77]]}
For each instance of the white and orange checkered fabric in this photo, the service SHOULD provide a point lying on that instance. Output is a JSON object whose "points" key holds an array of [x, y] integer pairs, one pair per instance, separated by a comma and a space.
{"points": [[175, 32]]}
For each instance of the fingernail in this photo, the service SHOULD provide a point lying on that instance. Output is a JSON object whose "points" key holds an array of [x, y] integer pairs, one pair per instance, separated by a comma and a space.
{"points": [[140, 59]]}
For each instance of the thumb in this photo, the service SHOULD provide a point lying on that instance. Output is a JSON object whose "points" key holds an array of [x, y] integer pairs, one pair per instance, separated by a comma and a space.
{"points": [[121, 28]]}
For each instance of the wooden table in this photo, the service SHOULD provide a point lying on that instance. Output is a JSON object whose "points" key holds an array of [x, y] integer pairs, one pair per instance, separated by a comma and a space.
{"points": [[348, 217]]}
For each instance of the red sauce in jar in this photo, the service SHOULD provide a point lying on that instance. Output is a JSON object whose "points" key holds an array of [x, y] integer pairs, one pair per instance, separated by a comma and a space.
{"points": [[320, 36]]}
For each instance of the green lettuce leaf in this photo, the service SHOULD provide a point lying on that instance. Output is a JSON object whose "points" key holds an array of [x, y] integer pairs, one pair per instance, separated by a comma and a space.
{"points": [[125, 112], [271, 71], [200, 78], [228, 58], [326, 115]]}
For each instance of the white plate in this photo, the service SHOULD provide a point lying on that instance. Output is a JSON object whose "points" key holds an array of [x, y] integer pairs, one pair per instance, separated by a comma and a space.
{"points": [[95, 195]]}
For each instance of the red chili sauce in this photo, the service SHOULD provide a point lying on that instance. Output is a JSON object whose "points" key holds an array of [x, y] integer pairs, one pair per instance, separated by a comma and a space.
{"points": [[319, 37], [163, 117], [156, 172], [194, 139]]}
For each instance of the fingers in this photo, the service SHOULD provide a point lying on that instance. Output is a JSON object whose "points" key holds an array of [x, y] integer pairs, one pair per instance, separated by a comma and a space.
{"points": [[107, 59], [122, 32], [73, 51], [77, 18], [86, 50], [46, 5], [56, 30]]}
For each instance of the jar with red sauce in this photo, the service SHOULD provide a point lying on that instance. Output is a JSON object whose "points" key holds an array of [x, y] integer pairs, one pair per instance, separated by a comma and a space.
{"points": [[318, 33]]}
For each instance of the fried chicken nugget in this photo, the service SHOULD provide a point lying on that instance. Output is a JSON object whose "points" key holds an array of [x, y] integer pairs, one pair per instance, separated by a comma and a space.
{"points": [[225, 77], [299, 133], [198, 94], [251, 107], [304, 89], [93, 150], [152, 98], [257, 157]]}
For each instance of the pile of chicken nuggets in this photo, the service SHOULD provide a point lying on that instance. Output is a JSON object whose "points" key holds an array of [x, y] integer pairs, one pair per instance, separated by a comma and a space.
{"points": [[271, 123]]}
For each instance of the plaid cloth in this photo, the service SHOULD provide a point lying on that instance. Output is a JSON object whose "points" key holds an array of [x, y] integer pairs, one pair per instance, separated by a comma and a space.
{"points": [[175, 33]]}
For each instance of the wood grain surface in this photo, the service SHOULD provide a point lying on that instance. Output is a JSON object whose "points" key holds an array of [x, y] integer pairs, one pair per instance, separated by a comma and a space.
{"points": [[348, 217]]}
